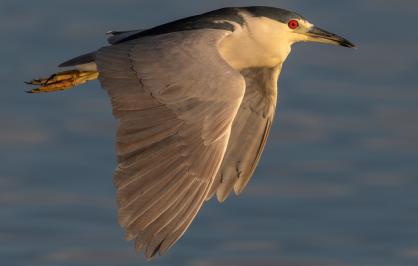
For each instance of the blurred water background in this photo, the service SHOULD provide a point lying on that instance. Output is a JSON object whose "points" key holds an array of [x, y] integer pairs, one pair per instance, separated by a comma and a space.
{"points": [[337, 185]]}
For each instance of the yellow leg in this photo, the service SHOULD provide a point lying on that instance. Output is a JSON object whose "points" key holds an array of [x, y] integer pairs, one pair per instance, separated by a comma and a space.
{"points": [[63, 81]]}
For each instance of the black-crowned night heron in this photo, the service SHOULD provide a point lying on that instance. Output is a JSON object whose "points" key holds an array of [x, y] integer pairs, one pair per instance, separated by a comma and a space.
{"points": [[195, 99]]}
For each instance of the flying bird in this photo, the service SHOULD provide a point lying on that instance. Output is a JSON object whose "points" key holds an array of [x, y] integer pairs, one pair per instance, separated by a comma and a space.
{"points": [[195, 100]]}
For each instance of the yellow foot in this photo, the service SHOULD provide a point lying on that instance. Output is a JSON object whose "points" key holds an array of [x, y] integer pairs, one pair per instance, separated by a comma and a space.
{"points": [[63, 81]]}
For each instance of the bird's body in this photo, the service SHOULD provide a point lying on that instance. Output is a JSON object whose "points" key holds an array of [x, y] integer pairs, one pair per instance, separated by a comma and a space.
{"points": [[195, 100]]}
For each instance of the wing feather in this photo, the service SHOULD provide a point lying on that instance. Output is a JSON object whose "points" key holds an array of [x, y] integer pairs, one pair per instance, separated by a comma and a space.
{"points": [[250, 131], [175, 99]]}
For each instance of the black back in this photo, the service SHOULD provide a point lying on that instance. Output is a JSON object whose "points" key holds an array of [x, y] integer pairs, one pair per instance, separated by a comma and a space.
{"points": [[203, 21], [214, 20]]}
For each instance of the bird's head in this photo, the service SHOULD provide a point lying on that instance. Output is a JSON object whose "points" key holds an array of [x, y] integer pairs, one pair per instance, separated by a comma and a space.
{"points": [[292, 27], [265, 35]]}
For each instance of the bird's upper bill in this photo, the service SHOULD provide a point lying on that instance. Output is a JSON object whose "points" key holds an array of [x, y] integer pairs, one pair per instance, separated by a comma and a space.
{"points": [[316, 34]]}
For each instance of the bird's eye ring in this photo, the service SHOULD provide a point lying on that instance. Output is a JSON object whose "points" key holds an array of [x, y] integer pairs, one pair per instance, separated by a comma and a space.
{"points": [[293, 24]]}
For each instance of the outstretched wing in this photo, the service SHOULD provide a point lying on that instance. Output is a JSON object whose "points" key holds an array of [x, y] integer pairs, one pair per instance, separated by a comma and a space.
{"points": [[250, 130], [176, 99]]}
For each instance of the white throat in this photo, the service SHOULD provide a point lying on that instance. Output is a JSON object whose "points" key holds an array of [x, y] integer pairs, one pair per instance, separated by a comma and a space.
{"points": [[260, 42]]}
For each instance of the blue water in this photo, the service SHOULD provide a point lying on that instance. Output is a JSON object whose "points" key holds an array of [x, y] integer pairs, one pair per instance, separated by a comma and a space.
{"points": [[337, 184]]}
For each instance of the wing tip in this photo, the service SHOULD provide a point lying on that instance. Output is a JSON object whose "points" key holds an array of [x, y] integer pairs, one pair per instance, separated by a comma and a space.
{"points": [[222, 196]]}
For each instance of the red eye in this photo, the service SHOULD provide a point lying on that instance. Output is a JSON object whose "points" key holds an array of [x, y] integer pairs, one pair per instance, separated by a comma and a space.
{"points": [[293, 24]]}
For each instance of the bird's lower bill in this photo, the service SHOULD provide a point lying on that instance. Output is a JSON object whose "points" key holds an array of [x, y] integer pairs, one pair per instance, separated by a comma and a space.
{"points": [[319, 35]]}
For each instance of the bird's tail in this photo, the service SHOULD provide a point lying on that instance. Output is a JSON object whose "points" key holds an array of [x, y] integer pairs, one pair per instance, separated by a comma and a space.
{"points": [[62, 81]]}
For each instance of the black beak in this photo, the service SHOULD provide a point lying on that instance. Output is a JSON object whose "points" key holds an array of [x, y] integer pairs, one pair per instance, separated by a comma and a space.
{"points": [[323, 36]]}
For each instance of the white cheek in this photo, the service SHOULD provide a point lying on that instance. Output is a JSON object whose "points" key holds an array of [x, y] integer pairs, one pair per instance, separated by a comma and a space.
{"points": [[300, 38]]}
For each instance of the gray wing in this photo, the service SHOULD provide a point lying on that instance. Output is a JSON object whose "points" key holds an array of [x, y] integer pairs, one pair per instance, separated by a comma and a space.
{"points": [[250, 130], [114, 37], [175, 99]]}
